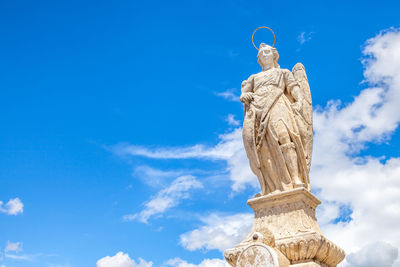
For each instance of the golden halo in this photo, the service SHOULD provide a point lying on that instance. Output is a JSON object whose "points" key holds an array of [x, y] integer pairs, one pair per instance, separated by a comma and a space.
{"points": [[252, 37]]}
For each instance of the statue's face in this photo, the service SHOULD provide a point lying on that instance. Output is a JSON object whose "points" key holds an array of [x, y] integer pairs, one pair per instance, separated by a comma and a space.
{"points": [[265, 56]]}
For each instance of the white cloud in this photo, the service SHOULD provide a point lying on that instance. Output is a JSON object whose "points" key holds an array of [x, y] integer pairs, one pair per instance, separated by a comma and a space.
{"points": [[229, 148], [177, 262], [13, 207], [15, 247], [122, 260], [231, 120], [218, 232], [229, 95], [377, 254], [328, 212], [167, 198]]}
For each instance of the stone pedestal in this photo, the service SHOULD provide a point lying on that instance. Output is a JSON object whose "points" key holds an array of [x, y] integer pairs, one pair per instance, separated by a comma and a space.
{"points": [[288, 221]]}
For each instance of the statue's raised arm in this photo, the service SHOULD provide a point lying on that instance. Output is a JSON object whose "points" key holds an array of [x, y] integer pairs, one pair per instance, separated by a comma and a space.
{"points": [[277, 128]]}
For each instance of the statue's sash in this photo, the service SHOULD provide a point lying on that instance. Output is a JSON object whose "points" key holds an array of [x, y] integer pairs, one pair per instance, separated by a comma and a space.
{"points": [[271, 99]]}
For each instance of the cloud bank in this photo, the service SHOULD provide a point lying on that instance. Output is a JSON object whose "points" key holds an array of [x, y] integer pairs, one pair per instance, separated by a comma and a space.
{"points": [[369, 186], [377, 254]]}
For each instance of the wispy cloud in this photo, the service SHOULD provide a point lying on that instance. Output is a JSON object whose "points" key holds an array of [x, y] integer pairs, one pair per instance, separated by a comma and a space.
{"points": [[304, 37], [13, 251], [167, 198], [17, 246], [13, 207], [229, 149], [19, 256], [232, 121], [229, 95]]}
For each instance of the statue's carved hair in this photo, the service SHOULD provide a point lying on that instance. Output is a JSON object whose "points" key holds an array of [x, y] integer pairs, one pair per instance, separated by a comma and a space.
{"points": [[274, 52]]}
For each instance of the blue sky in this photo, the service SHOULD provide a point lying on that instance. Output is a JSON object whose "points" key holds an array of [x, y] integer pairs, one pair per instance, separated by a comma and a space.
{"points": [[108, 106]]}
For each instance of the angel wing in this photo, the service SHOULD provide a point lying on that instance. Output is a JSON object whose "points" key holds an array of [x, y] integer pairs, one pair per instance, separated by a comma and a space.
{"points": [[304, 119]]}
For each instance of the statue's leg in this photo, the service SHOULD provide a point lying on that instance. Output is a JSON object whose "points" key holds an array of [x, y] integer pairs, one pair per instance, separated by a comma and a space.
{"points": [[289, 153]]}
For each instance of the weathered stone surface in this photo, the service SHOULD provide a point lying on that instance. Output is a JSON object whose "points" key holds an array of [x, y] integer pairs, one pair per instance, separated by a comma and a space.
{"points": [[258, 255], [254, 254], [286, 213], [310, 247]]}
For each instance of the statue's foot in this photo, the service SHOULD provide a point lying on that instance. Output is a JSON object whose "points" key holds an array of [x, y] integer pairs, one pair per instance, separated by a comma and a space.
{"points": [[299, 184]]}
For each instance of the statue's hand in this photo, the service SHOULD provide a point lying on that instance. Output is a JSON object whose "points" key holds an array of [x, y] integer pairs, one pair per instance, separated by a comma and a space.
{"points": [[246, 97], [297, 106]]}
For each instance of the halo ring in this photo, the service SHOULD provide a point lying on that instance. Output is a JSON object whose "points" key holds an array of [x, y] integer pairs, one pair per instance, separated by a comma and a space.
{"points": [[262, 27]]}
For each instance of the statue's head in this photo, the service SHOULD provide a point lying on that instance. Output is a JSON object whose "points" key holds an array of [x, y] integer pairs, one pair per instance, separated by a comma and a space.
{"points": [[267, 55]]}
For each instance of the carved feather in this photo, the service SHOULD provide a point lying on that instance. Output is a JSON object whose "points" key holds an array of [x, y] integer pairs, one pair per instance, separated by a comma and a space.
{"points": [[304, 117]]}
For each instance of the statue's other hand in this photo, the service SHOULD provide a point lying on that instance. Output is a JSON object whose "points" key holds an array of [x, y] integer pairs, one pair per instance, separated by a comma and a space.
{"points": [[246, 97]]}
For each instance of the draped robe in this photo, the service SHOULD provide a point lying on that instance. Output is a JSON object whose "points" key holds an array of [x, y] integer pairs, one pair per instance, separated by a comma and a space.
{"points": [[271, 105]]}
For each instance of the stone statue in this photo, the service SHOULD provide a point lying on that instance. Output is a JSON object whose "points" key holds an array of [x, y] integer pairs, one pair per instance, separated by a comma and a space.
{"points": [[277, 136], [277, 127]]}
